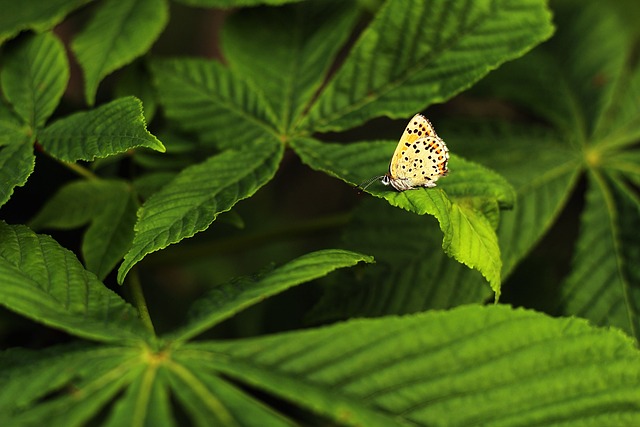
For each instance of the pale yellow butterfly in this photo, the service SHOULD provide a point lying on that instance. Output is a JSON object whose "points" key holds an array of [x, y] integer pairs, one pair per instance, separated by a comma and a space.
{"points": [[420, 158]]}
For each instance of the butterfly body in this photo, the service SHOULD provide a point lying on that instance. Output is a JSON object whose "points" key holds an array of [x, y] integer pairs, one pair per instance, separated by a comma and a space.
{"points": [[420, 158]]}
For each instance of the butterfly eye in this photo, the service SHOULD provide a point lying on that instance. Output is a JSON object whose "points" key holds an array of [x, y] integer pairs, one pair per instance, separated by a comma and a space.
{"points": [[385, 180]]}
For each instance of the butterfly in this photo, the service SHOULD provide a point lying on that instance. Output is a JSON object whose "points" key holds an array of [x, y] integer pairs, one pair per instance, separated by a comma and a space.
{"points": [[420, 158]]}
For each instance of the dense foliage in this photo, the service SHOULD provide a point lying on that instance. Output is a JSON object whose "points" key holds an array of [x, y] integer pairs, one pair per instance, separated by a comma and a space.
{"points": [[160, 209]]}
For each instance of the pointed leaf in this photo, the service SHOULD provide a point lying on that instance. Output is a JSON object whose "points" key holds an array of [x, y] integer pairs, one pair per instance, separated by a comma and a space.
{"points": [[604, 282], [34, 15], [291, 46], [16, 164], [226, 300], [205, 97], [418, 53], [543, 178], [35, 73], [491, 366], [104, 131], [119, 32], [110, 208], [46, 283], [193, 200], [468, 235]]}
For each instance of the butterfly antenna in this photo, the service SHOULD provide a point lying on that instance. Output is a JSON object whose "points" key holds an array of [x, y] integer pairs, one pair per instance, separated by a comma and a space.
{"points": [[368, 182]]}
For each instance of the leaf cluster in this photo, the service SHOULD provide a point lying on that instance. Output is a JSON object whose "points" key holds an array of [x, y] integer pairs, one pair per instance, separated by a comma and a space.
{"points": [[177, 161]]}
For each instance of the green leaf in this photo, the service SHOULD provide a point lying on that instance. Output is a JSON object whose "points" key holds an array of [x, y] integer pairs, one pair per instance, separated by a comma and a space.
{"points": [[34, 14], [469, 366], [35, 73], [16, 164], [104, 131], [12, 128], [135, 80], [205, 97], [468, 234], [603, 284], [146, 402], [411, 273], [109, 207], [119, 32], [418, 53], [543, 177], [228, 299], [292, 47], [593, 104], [64, 396], [206, 397], [570, 79], [181, 151], [233, 3], [620, 123], [46, 283], [193, 200]]}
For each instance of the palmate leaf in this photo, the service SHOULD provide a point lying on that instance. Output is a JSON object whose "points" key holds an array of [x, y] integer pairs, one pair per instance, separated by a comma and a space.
{"points": [[46, 283], [226, 300], [468, 234], [193, 200], [35, 72], [143, 376], [104, 131], [604, 284], [596, 114], [291, 46], [418, 53], [34, 14], [411, 273], [119, 32], [110, 208], [472, 365]]}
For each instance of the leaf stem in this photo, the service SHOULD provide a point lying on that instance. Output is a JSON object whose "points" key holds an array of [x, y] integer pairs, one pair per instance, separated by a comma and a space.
{"points": [[80, 170], [139, 301]]}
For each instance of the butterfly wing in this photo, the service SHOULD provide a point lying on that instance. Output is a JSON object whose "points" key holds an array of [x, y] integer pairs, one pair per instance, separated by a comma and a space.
{"points": [[418, 127], [420, 157]]}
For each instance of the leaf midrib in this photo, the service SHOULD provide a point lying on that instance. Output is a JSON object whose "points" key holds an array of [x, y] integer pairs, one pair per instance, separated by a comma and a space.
{"points": [[612, 214], [223, 102]]}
